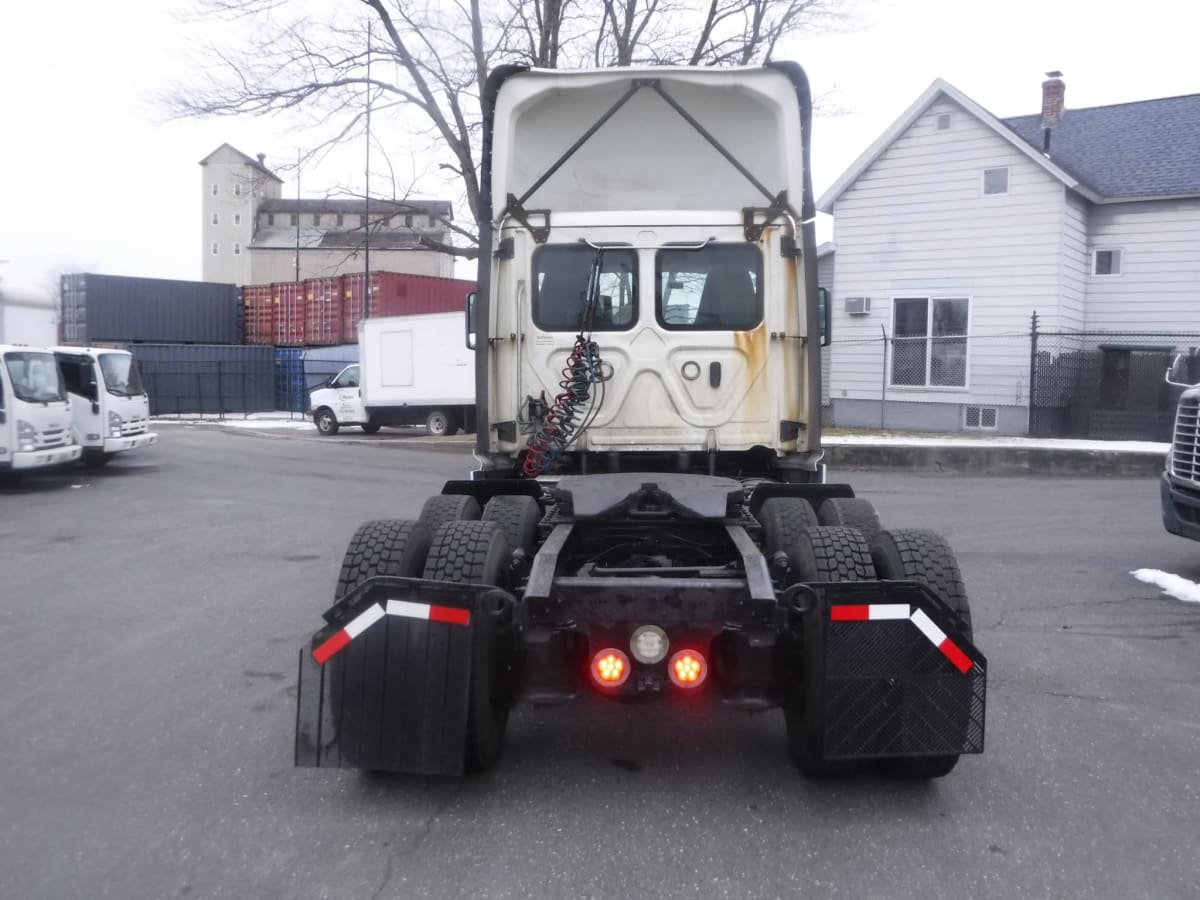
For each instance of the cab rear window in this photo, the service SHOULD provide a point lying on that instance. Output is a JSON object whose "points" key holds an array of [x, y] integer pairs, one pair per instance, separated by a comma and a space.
{"points": [[560, 288], [717, 287]]}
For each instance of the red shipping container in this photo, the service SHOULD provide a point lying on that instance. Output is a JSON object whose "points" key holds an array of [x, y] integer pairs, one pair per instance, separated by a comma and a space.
{"points": [[288, 300], [399, 294], [323, 311], [259, 313]]}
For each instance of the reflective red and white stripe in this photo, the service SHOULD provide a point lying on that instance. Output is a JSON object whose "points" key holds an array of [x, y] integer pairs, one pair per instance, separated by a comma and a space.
{"points": [[872, 612], [373, 613]]}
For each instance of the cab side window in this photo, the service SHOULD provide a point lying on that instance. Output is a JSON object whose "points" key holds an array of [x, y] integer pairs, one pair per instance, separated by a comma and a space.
{"points": [[79, 376], [348, 378]]}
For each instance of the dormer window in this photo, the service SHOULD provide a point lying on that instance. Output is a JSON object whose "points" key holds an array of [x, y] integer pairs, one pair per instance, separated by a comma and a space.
{"points": [[943, 122]]}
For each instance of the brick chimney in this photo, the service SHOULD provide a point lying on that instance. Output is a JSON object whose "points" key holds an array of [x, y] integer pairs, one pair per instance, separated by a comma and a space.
{"points": [[1054, 91]]}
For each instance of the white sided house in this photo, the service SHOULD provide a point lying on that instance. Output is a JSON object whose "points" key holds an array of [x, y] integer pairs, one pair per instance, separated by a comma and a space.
{"points": [[955, 226]]}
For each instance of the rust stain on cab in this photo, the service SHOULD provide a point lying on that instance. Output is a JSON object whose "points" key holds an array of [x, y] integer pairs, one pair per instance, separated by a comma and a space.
{"points": [[752, 345]]}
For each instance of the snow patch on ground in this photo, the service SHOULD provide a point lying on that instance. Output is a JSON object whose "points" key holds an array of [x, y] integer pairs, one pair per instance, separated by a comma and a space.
{"points": [[908, 440], [255, 421], [1180, 588]]}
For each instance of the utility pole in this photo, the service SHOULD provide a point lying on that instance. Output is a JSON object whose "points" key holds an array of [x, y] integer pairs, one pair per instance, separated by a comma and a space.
{"points": [[367, 192], [297, 214]]}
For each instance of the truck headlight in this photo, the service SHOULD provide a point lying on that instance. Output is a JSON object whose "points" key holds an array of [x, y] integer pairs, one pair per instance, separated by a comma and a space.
{"points": [[26, 436], [115, 422]]}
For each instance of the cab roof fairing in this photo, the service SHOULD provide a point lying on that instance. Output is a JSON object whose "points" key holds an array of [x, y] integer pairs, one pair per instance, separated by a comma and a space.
{"points": [[647, 156]]}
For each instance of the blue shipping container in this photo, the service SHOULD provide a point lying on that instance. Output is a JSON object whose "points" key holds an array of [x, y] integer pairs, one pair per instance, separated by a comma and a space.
{"points": [[291, 393]]}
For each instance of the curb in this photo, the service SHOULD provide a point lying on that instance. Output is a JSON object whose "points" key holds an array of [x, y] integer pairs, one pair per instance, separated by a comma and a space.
{"points": [[983, 460]]}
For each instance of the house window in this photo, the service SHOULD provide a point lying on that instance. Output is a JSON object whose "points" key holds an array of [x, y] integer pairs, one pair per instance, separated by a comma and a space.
{"points": [[995, 181], [216, 219], [943, 122], [929, 341], [214, 190], [237, 218], [216, 248], [408, 220], [341, 220], [980, 418], [317, 219], [237, 189], [237, 249], [431, 221], [1106, 262], [270, 218], [362, 221], [295, 219]]}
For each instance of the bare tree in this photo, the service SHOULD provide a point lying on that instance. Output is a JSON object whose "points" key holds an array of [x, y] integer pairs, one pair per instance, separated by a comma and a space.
{"points": [[429, 60]]}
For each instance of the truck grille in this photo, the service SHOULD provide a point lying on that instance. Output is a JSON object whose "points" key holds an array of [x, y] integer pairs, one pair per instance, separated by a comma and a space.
{"points": [[48, 440], [133, 426], [1185, 447]]}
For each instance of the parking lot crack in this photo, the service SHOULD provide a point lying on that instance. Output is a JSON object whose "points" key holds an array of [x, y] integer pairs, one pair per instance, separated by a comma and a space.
{"points": [[414, 844]]}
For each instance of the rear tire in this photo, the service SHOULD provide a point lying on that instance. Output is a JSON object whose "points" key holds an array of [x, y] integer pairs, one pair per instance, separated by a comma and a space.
{"points": [[912, 554], [851, 512], [821, 554], [478, 553], [437, 423], [518, 515], [326, 421], [783, 519], [384, 547], [381, 547], [371, 427], [444, 508]]}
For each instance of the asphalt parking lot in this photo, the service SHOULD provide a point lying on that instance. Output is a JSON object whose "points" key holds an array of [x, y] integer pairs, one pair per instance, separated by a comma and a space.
{"points": [[153, 612]]}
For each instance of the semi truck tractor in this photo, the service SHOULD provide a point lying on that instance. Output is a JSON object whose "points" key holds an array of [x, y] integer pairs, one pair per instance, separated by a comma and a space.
{"points": [[411, 370], [1180, 483], [110, 410], [650, 517], [35, 414]]}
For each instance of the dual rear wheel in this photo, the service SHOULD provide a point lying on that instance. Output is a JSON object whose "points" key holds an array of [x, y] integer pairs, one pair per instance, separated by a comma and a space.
{"points": [[844, 541]]}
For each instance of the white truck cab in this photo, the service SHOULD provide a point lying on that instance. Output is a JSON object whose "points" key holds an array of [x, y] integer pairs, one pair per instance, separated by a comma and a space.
{"points": [[35, 415], [340, 397], [110, 412]]}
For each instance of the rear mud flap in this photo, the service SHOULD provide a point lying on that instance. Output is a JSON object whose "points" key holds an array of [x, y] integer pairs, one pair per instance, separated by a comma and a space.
{"points": [[887, 672], [386, 685]]}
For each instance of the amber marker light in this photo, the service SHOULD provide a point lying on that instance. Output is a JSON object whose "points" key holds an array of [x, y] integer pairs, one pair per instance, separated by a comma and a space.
{"points": [[688, 669], [610, 667]]}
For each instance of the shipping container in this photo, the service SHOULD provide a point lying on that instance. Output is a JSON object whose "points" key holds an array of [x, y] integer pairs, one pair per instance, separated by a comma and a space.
{"points": [[155, 310], [288, 300], [207, 378], [291, 393], [322, 311], [322, 363], [258, 305], [398, 294]]}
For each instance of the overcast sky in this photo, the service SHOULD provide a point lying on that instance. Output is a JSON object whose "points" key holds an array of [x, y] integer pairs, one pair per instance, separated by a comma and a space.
{"points": [[93, 180]]}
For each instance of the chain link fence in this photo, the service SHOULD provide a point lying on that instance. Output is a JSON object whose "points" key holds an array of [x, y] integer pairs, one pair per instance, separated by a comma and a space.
{"points": [[1067, 384]]}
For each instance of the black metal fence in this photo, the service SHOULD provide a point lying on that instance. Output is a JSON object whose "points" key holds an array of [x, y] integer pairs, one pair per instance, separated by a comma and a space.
{"points": [[191, 387], [1104, 384]]}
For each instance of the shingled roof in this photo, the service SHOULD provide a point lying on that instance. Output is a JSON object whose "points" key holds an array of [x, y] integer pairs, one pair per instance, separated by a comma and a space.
{"points": [[1109, 154], [1147, 149]]}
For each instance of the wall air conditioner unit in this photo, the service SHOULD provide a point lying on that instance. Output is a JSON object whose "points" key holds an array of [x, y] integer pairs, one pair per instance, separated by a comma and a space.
{"points": [[858, 306]]}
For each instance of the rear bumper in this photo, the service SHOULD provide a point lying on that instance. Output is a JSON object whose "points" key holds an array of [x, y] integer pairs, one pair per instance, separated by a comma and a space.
{"points": [[37, 459], [122, 444], [1180, 507]]}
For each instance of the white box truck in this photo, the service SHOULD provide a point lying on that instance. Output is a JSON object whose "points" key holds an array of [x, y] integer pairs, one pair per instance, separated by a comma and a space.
{"points": [[27, 316], [110, 411], [35, 415], [412, 370]]}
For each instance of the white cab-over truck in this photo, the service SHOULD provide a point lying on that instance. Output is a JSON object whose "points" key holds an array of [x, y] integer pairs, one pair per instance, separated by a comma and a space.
{"points": [[411, 370], [110, 411], [35, 414], [650, 518]]}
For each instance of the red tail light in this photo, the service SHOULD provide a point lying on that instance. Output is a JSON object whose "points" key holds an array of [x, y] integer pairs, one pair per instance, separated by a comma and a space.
{"points": [[610, 667], [688, 669]]}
